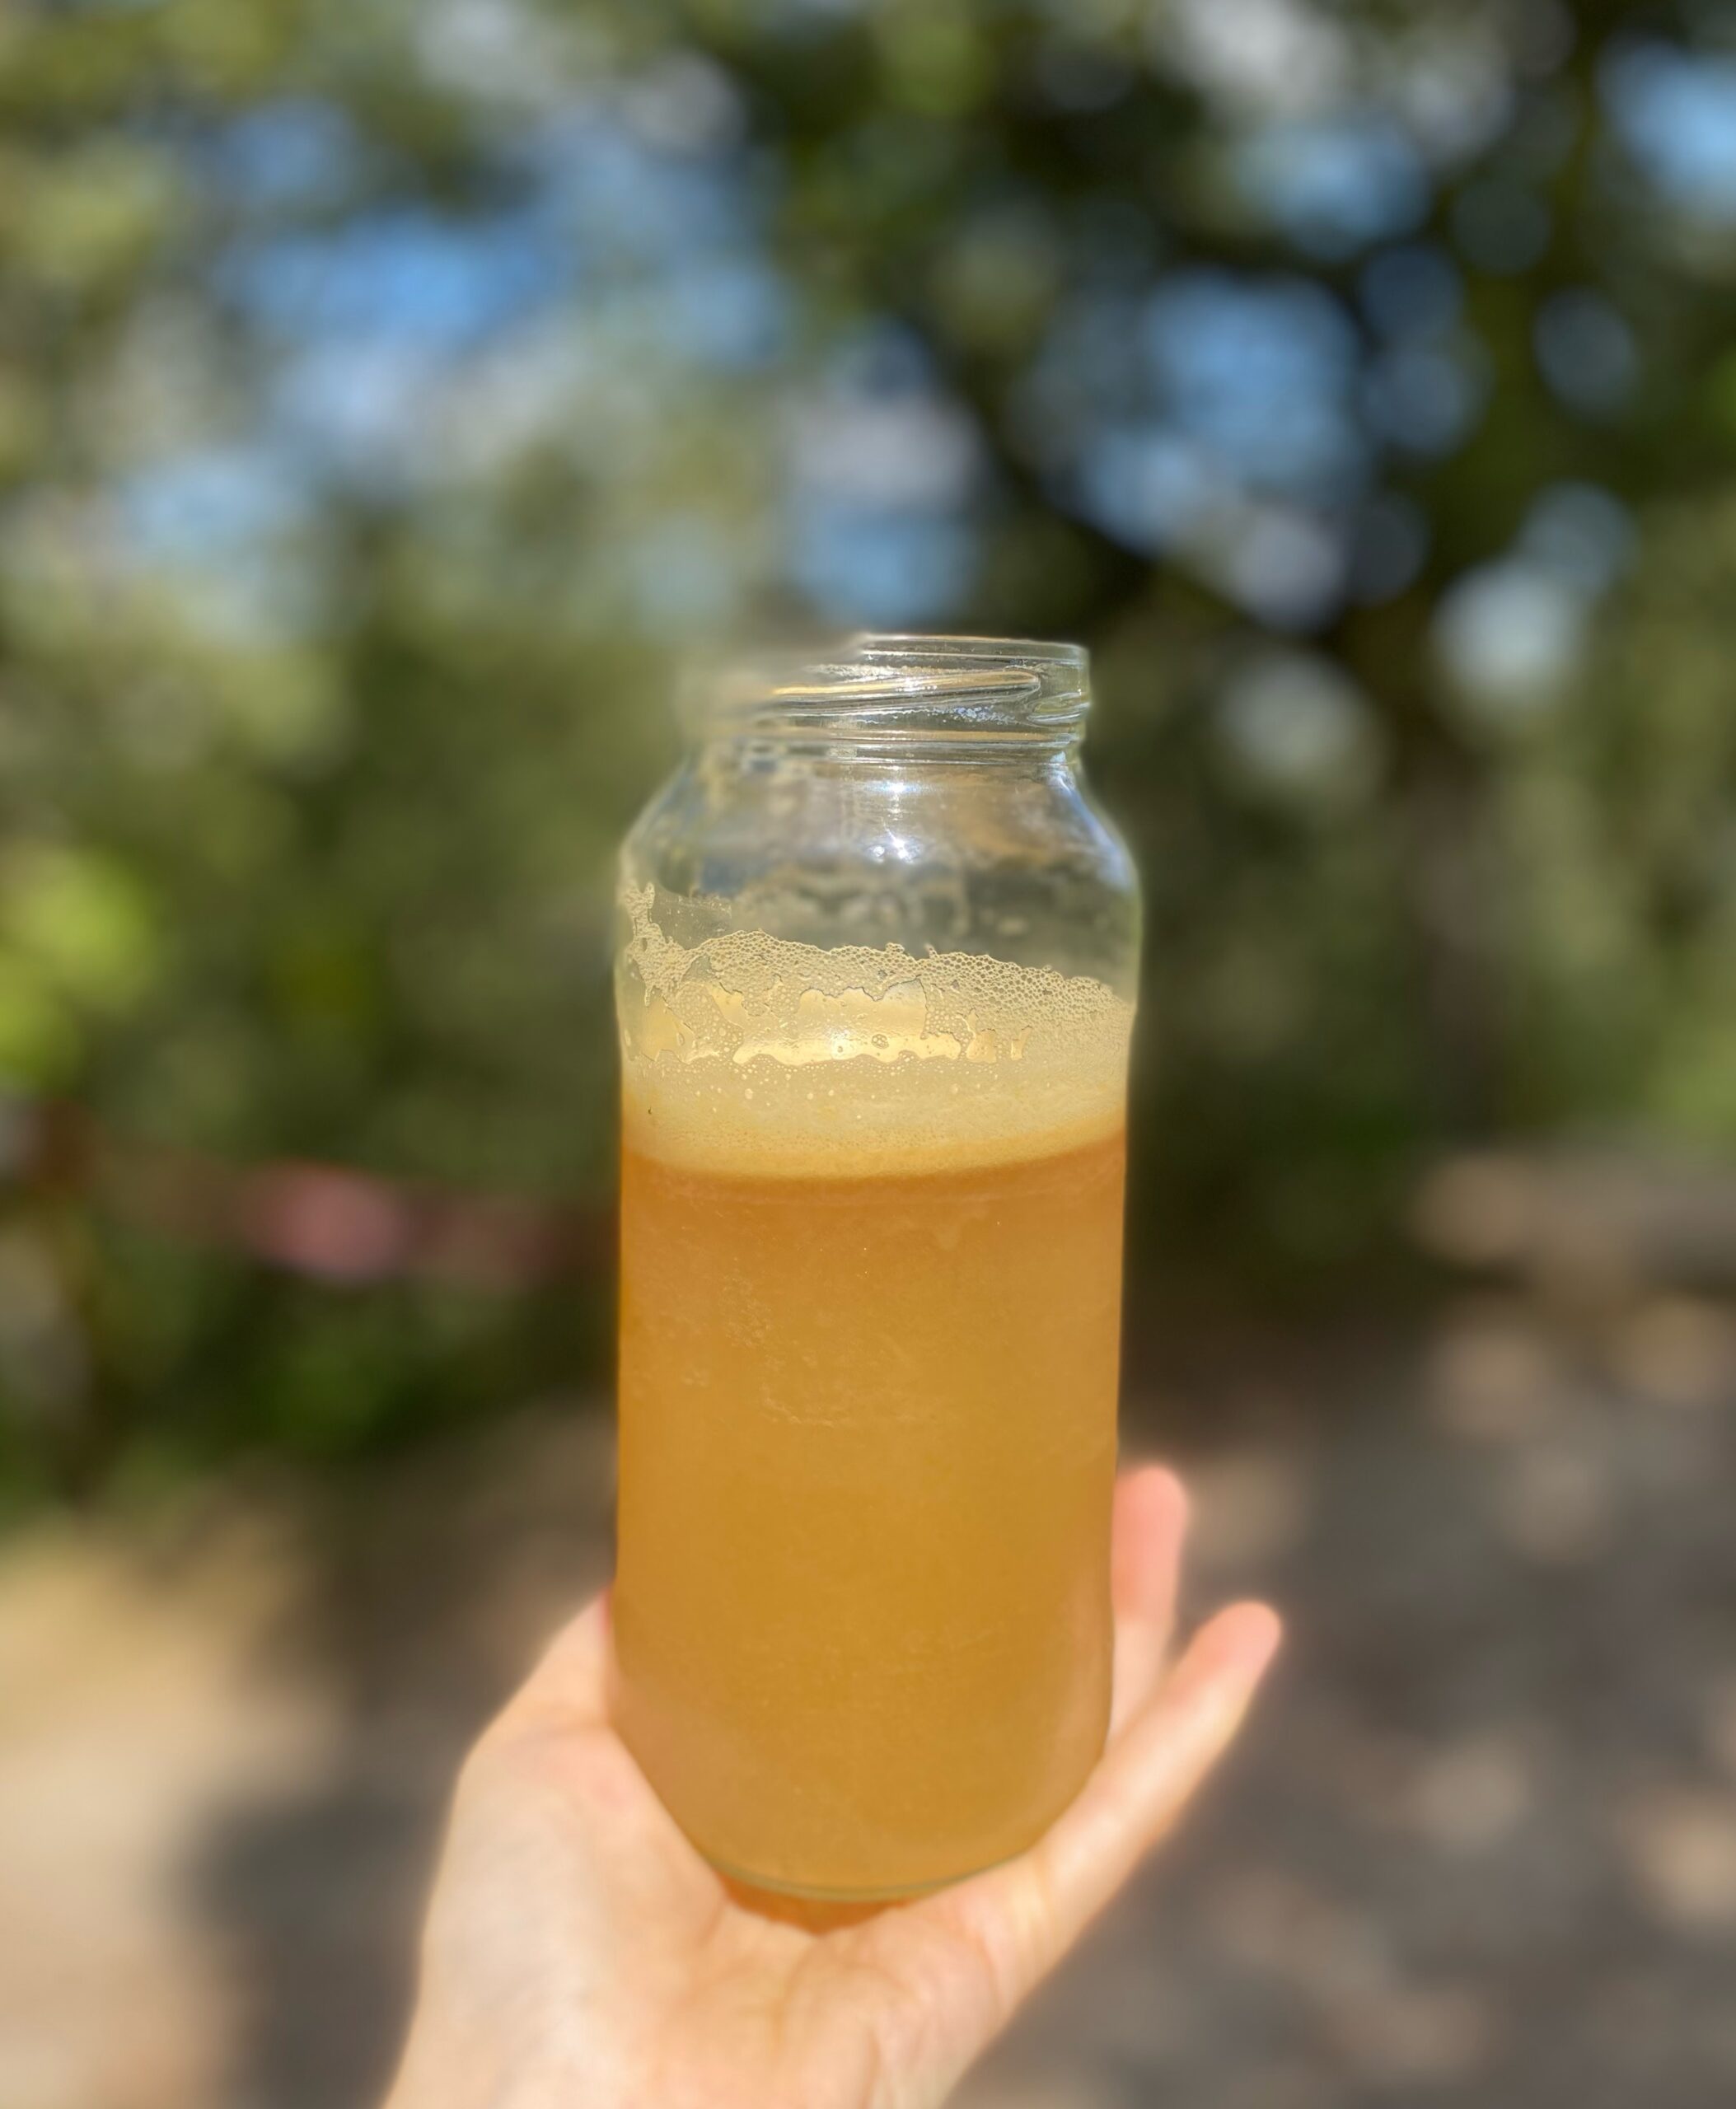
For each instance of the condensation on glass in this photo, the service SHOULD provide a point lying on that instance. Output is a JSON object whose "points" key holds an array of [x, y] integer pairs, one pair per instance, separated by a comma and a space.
{"points": [[876, 983]]}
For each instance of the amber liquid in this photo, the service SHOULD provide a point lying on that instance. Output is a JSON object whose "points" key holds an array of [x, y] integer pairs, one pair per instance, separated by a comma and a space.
{"points": [[867, 1451]]}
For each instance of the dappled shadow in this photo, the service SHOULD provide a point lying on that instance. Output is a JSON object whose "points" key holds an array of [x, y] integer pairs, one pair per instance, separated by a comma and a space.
{"points": [[315, 1898], [430, 1587]]}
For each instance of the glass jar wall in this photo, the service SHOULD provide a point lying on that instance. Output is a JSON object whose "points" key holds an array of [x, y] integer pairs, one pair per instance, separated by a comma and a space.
{"points": [[877, 959]]}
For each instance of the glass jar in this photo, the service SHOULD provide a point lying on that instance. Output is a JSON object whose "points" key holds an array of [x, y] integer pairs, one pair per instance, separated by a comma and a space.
{"points": [[876, 984]]}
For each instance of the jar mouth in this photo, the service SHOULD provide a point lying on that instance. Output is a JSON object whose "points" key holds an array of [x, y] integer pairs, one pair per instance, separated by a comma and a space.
{"points": [[955, 689]]}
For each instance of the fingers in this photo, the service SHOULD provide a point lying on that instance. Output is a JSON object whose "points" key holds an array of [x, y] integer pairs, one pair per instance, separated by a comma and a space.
{"points": [[1024, 1916], [1150, 1527], [1148, 1777]]}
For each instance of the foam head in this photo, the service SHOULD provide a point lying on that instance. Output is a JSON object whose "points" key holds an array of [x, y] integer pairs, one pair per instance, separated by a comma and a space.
{"points": [[750, 1052]]}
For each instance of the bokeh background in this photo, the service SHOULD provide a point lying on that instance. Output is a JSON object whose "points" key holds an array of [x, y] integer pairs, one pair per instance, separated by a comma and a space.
{"points": [[389, 396]]}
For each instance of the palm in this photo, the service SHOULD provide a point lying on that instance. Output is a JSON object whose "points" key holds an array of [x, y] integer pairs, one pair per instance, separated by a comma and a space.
{"points": [[579, 1949]]}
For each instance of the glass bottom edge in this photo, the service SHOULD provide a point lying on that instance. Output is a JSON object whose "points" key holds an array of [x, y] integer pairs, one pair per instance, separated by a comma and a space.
{"points": [[815, 1893]]}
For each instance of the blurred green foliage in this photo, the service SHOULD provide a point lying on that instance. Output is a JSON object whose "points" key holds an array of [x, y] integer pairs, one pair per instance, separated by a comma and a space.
{"points": [[387, 394]]}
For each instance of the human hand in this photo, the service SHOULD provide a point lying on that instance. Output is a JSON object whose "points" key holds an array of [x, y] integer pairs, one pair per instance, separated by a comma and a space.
{"points": [[579, 1952]]}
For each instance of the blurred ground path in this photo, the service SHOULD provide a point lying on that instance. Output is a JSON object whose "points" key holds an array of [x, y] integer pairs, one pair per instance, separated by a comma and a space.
{"points": [[226, 1741], [1480, 1847]]}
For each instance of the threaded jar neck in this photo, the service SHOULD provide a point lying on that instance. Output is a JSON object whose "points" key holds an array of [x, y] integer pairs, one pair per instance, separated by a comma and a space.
{"points": [[977, 692]]}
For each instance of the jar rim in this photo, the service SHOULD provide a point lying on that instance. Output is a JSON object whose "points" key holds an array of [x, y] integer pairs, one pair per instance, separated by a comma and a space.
{"points": [[937, 686]]}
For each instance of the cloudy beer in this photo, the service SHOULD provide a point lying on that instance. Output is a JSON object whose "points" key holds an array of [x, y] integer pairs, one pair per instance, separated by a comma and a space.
{"points": [[871, 1229]]}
